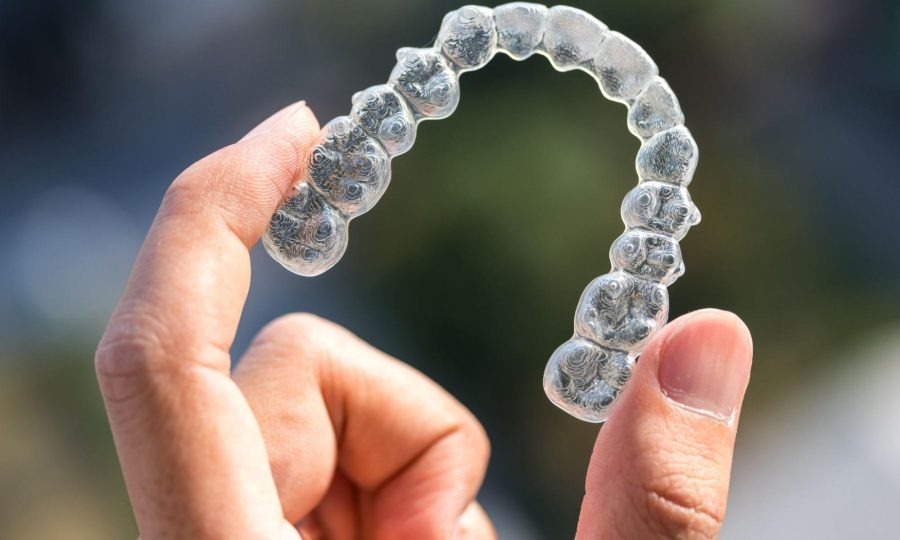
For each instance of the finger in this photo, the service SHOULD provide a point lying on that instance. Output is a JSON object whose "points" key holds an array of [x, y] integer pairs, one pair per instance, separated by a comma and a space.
{"points": [[188, 444], [337, 513], [475, 525], [662, 462], [325, 401]]}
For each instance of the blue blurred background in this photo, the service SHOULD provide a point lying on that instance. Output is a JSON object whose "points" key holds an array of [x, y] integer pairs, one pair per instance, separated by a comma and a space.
{"points": [[470, 267]]}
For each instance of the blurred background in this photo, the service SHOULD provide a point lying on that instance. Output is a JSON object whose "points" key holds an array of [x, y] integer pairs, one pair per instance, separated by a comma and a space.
{"points": [[471, 265]]}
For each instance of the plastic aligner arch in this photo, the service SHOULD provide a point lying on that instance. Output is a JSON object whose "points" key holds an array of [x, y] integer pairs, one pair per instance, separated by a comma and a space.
{"points": [[618, 312]]}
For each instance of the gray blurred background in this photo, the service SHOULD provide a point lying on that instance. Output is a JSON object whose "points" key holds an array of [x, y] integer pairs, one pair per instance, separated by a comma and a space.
{"points": [[471, 265]]}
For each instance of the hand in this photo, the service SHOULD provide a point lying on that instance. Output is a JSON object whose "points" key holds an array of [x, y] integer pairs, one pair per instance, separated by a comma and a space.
{"points": [[316, 433]]}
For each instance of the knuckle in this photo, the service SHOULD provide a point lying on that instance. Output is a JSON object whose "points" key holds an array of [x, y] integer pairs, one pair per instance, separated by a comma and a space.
{"points": [[302, 337], [180, 199], [126, 357], [297, 322], [678, 507], [138, 353], [296, 330]]}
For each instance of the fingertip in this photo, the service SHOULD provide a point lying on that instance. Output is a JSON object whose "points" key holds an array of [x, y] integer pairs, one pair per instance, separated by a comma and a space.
{"points": [[255, 175], [719, 316], [704, 363], [697, 328], [242, 184], [298, 112], [474, 524], [701, 323], [724, 318], [302, 123]]}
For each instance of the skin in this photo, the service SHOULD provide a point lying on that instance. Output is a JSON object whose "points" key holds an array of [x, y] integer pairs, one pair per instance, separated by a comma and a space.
{"points": [[318, 435]]}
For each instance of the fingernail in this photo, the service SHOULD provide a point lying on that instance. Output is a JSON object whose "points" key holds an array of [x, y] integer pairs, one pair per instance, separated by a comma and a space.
{"points": [[705, 365], [274, 120]]}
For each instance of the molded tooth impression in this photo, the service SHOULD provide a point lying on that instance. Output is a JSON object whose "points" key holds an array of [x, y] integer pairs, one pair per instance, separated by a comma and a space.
{"points": [[306, 235], [351, 169], [427, 81], [623, 68], [619, 312], [520, 28], [384, 114], [572, 37], [669, 156], [661, 208], [655, 109], [468, 37], [584, 379], [647, 255]]}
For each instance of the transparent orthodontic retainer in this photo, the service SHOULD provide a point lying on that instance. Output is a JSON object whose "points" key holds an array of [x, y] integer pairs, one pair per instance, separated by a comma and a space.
{"points": [[619, 311]]}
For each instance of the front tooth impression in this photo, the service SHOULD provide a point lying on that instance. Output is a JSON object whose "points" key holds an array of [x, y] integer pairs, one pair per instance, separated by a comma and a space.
{"points": [[622, 67], [572, 37], [520, 28], [654, 110]]}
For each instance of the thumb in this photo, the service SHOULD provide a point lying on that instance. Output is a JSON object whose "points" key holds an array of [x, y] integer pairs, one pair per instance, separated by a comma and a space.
{"points": [[662, 463]]}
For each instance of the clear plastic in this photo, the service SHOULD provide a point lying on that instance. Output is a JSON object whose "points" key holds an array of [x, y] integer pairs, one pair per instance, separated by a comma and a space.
{"points": [[383, 113], [654, 110], [648, 255], [350, 168], [619, 312], [306, 235], [584, 379], [572, 38], [669, 156], [427, 81], [468, 37], [520, 28], [622, 67], [660, 207]]}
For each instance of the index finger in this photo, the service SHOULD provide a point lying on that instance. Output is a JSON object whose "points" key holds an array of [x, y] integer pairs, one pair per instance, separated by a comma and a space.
{"points": [[193, 272], [191, 452]]}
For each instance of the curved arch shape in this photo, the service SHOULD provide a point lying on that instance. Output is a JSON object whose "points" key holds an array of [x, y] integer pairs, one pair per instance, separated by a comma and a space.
{"points": [[619, 311]]}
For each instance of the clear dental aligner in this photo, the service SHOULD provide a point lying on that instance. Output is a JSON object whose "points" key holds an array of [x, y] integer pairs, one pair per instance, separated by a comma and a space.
{"points": [[618, 312]]}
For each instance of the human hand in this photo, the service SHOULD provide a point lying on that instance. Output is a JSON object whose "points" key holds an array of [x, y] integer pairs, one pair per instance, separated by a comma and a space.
{"points": [[316, 433]]}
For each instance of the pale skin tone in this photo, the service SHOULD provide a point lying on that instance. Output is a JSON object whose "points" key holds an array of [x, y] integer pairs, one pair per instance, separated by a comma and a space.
{"points": [[316, 434]]}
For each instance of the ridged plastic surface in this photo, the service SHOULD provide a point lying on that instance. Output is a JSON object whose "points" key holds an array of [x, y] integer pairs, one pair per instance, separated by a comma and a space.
{"points": [[619, 312]]}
